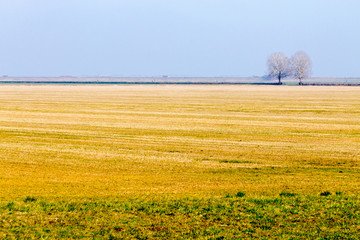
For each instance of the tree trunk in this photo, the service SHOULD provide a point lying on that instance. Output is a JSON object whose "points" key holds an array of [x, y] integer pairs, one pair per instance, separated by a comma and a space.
{"points": [[279, 77]]}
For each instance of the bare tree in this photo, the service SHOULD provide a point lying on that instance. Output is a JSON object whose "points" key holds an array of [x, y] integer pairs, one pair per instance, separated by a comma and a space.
{"points": [[278, 66], [301, 66]]}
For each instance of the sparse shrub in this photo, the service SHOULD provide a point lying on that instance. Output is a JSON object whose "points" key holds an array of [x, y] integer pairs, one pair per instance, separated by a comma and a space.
{"points": [[339, 193], [235, 161], [240, 194], [228, 196], [30, 199], [10, 205], [287, 194], [70, 207], [325, 194]]}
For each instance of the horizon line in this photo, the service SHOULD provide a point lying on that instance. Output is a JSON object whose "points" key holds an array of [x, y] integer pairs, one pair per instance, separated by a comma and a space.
{"points": [[165, 76]]}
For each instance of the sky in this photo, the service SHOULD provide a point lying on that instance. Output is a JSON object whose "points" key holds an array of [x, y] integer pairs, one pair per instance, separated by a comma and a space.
{"points": [[191, 38]]}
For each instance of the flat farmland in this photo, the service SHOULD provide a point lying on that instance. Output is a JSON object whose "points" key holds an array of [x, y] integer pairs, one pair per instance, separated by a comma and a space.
{"points": [[166, 143]]}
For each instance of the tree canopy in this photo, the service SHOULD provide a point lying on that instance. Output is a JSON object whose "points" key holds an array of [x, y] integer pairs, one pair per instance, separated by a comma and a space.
{"points": [[278, 66]]}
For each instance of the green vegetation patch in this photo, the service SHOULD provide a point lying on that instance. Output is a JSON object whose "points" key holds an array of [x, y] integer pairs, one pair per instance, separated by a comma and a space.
{"points": [[332, 217]]}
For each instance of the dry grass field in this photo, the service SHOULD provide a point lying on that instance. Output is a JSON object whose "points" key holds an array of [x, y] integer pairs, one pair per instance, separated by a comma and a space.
{"points": [[113, 140], [128, 141]]}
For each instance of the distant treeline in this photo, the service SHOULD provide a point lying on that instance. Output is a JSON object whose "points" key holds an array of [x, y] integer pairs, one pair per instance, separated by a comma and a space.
{"points": [[146, 83], [331, 84], [179, 81]]}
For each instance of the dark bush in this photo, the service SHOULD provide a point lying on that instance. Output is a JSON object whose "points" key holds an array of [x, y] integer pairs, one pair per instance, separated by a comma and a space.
{"points": [[287, 194], [30, 199], [326, 193], [240, 194]]}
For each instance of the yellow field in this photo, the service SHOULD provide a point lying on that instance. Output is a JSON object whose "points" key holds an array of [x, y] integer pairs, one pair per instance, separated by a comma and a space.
{"points": [[111, 140]]}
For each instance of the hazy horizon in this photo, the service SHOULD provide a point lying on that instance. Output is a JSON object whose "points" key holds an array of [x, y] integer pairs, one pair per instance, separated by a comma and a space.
{"points": [[198, 38]]}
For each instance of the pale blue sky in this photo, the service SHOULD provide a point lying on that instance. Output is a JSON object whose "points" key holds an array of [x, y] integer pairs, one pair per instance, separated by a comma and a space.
{"points": [[175, 37]]}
